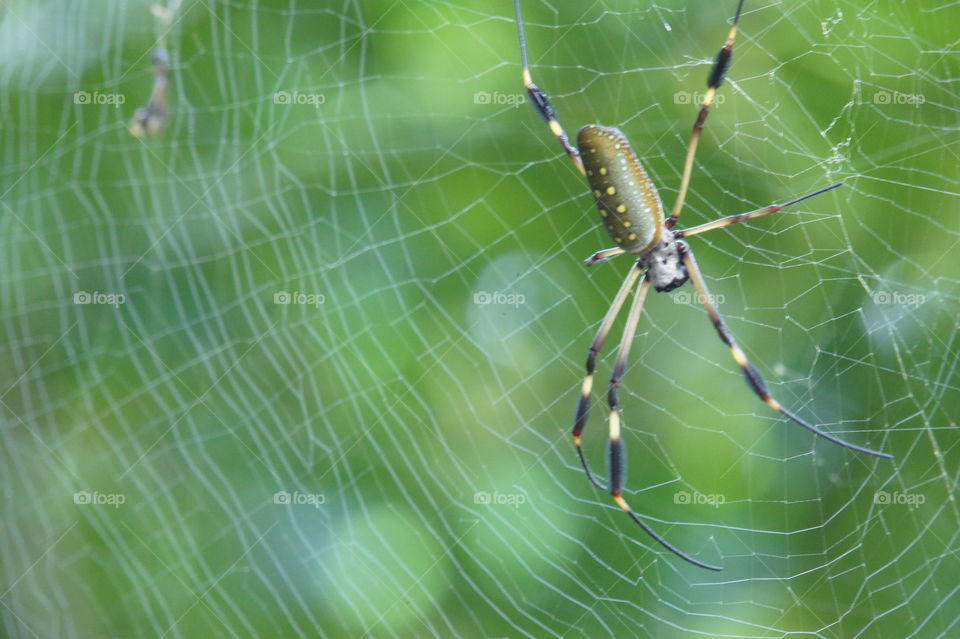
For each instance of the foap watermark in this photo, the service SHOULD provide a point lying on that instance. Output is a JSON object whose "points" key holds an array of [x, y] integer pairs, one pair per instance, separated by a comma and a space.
{"points": [[698, 498], [896, 97], [96, 498], [297, 498], [893, 298], [693, 97], [483, 298], [99, 298], [485, 97], [694, 297], [496, 498], [298, 98], [86, 98], [298, 298], [898, 498]]}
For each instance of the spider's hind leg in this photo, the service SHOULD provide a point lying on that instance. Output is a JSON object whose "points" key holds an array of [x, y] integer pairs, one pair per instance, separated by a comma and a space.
{"points": [[540, 100]]}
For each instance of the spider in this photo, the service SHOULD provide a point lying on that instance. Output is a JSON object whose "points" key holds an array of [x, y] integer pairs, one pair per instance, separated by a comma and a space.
{"points": [[632, 213]]}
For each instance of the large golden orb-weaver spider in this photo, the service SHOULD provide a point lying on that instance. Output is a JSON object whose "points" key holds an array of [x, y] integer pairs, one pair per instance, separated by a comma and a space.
{"points": [[632, 213]]}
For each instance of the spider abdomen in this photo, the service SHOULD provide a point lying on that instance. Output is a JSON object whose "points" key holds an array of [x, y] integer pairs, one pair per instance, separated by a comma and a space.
{"points": [[626, 198]]}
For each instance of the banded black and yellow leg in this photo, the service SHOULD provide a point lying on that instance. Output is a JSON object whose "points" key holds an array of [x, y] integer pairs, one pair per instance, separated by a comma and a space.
{"points": [[714, 80], [583, 404], [604, 255], [617, 452], [750, 373], [541, 101], [629, 331], [740, 217]]}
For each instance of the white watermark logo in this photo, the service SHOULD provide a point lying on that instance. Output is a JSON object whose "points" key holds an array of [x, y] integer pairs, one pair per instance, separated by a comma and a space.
{"points": [[299, 299], [694, 297], [684, 497], [86, 98], [693, 97], [296, 498], [97, 297], [485, 97], [893, 298], [482, 298], [896, 97], [298, 98], [497, 498], [96, 498], [898, 498]]}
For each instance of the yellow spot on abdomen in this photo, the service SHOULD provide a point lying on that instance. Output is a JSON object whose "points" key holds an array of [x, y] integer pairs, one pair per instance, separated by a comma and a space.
{"points": [[611, 190], [621, 209], [603, 170]]}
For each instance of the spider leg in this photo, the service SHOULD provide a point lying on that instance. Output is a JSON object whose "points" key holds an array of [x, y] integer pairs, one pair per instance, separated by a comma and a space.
{"points": [[616, 443], [541, 101], [740, 217], [751, 374], [583, 404], [714, 80], [604, 255]]}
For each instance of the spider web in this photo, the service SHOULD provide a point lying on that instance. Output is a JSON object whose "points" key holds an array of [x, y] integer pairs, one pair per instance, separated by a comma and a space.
{"points": [[304, 365]]}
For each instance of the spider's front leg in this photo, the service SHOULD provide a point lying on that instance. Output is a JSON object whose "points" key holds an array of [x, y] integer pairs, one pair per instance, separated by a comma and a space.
{"points": [[617, 452], [583, 404], [749, 372]]}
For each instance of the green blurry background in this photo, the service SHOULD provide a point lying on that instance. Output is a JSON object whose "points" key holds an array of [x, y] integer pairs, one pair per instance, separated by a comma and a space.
{"points": [[415, 411]]}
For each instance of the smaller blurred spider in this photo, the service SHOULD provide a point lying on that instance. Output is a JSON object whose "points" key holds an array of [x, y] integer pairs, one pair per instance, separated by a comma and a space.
{"points": [[632, 213]]}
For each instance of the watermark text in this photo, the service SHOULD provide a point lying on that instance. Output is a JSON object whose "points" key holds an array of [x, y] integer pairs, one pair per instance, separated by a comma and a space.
{"points": [[497, 498], [698, 498], [297, 498]]}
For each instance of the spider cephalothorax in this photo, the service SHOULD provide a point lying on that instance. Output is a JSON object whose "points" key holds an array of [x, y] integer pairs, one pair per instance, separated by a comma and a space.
{"points": [[664, 264]]}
